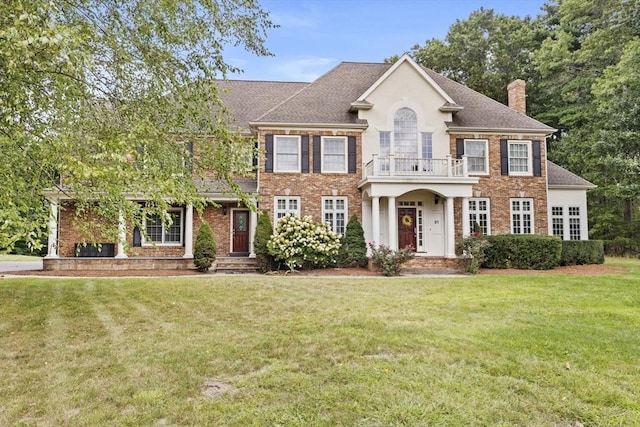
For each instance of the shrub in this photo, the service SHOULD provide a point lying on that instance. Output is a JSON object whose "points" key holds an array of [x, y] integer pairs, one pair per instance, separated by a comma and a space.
{"points": [[578, 252], [389, 261], [524, 251], [622, 246], [354, 248], [303, 243], [472, 252], [205, 248], [264, 231]]}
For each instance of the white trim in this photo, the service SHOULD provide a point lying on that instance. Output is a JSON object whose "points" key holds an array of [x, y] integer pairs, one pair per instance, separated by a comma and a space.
{"points": [[529, 171], [249, 228], [275, 153], [477, 211], [144, 241], [406, 58], [510, 131], [188, 232], [531, 212], [322, 154], [486, 156], [287, 210], [334, 211]]}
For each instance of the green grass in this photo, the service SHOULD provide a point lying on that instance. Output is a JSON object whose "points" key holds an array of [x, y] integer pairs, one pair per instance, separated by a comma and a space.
{"points": [[11, 257], [483, 350]]}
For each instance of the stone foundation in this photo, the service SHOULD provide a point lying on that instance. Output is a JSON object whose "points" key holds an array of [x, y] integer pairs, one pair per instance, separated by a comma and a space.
{"points": [[102, 264]]}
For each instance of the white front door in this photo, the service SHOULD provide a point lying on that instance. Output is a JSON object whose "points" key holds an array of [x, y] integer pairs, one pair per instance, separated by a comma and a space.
{"points": [[434, 233]]}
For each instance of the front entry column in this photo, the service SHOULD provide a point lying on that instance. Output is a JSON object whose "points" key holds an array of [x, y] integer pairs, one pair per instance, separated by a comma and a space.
{"points": [[451, 229], [466, 226], [375, 219], [253, 222], [52, 246], [122, 236], [393, 224], [188, 232]]}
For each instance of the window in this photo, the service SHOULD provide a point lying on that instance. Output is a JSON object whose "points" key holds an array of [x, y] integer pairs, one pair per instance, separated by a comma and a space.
{"points": [[520, 158], [521, 216], [385, 150], [557, 221], [574, 223], [284, 206], [477, 158], [479, 214], [334, 154], [405, 133], [287, 153], [334, 213], [427, 145], [165, 234]]}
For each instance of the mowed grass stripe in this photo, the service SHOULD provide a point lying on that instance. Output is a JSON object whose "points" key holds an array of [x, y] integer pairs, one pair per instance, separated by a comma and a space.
{"points": [[485, 350]]}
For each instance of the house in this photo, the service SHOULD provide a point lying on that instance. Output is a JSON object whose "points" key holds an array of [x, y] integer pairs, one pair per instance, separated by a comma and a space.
{"points": [[420, 159]]}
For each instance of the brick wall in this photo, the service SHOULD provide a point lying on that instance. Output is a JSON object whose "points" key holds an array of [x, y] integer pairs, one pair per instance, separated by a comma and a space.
{"points": [[501, 189], [311, 187], [70, 229]]}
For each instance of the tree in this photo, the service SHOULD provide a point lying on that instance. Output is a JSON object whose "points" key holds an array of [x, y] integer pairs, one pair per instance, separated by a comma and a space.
{"points": [[354, 247], [94, 92], [264, 231], [204, 252], [485, 52]]}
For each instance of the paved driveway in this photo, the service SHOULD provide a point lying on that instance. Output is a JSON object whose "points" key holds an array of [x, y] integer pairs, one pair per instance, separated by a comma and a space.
{"points": [[20, 265]]}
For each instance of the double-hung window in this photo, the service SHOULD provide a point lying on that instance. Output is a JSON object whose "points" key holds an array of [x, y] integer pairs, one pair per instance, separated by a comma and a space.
{"points": [[334, 213], [385, 150], [574, 223], [334, 154], [520, 158], [557, 221], [160, 232], [479, 214], [477, 158], [284, 206], [521, 216], [286, 153]]}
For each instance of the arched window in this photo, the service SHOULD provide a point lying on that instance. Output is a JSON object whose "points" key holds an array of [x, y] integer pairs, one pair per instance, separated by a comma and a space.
{"points": [[405, 133]]}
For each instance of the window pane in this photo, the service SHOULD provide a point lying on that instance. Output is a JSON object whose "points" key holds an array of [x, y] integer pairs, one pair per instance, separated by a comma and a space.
{"points": [[476, 152], [154, 228], [172, 233], [287, 152], [334, 157], [518, 157], [405, 133]]}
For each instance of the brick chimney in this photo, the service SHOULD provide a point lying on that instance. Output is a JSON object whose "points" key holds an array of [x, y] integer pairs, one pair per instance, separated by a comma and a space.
{"points": [[518, 96]]}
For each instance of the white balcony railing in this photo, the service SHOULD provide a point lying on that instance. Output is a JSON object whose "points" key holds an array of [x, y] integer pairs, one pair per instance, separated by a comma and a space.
{"points": [[403, 166]]}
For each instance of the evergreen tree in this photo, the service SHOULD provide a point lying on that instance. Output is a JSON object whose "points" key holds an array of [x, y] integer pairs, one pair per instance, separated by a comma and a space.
{"points": [[264, 230], [204, 253], [354, 247]]}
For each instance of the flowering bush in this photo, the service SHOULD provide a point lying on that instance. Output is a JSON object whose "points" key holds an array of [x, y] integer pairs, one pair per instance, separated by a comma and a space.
{"points": [[471, 250], [303, 243], [388, 260]]}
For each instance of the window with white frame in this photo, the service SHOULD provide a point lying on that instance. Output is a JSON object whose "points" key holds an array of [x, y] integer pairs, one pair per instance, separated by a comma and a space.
{"points": [[574, 223], [477, 157], [385, 150], [557, 221], [405, 133], [479, 214], [520, 158], [286, 153], [334, 154], [283, 206], [161, 232], [334, 213], [521, 216]]}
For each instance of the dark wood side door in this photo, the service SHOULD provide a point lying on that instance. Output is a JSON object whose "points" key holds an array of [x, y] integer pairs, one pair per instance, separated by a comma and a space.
{"points": [[240, 231], [407, 228]]}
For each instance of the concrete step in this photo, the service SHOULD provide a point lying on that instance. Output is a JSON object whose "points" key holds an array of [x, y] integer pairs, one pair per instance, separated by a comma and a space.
{"points": [[234, 265]]}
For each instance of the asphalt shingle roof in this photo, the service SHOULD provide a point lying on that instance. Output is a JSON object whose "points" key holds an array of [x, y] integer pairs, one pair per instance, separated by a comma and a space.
{"points": [[557, 176]]}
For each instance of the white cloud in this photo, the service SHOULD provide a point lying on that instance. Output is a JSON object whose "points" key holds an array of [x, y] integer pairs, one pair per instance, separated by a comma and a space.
{"points": [[304, 69]]}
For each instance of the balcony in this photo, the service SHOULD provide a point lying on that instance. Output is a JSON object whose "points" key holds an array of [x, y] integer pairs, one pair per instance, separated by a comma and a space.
{"points": [[396, 166]]}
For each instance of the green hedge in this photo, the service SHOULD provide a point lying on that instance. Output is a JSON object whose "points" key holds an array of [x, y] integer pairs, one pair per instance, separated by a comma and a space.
{"points": [[529, 252], [578, 252], [622, 246]]}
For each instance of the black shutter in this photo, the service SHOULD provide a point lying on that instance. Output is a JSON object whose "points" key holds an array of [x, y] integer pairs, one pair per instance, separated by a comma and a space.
{"points": [[351, 151], [305, 154], [189, 161], [268, 146], [317, 160], [137, 238], [537, 159], [254, 161], [459, 148], [504, 157]]}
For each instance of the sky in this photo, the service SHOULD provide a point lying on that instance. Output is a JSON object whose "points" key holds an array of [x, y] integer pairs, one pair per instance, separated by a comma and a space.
{"points": [[315, 35]]}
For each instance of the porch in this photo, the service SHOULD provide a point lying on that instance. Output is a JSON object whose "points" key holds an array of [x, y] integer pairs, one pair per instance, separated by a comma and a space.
{"points": [[400, 166]]}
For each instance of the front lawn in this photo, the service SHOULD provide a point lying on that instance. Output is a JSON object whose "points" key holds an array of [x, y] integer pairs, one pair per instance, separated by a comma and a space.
{"points": [[482, 350]]}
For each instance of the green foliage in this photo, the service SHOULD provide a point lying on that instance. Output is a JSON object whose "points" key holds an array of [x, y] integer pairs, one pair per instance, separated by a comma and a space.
{"points": [[204, 253], [471, 251], [389, 261], [264, 231], [303, 243], [579, 252], [354, 248], [622, 246], [523, 251], [95, 92]]}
